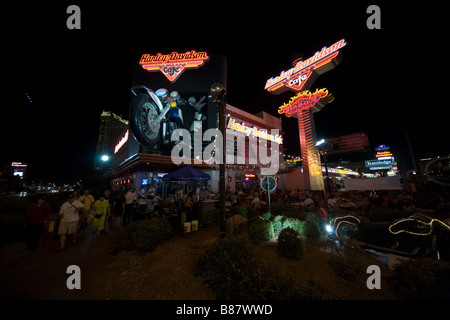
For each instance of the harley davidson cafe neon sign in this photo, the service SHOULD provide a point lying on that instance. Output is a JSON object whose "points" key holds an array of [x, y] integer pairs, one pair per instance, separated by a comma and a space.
{"points": [[254, 131], [303, 100], [173, 65], [296, 77]]}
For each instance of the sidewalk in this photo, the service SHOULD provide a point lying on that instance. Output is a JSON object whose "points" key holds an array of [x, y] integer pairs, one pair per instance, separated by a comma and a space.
{"points": [[38, 275]]}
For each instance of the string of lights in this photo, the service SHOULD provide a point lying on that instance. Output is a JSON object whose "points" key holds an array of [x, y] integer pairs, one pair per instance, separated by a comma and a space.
{"points": [[344, 221], [427, 224]]}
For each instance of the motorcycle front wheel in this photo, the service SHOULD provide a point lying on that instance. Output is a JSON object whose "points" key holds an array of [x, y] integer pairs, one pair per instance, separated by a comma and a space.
{"points": [[143, 124]]}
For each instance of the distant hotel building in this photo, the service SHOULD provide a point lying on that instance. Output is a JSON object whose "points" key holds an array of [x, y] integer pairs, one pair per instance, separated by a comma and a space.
{"points": [[111, 127]]}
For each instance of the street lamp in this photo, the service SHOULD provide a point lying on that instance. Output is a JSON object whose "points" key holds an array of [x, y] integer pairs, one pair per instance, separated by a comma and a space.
{"points": [[323, 152], [218, 95], [320, 142], [105, 159]]}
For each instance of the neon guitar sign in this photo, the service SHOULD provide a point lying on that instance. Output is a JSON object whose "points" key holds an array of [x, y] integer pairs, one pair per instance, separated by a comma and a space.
{"points": [[304, 100]]}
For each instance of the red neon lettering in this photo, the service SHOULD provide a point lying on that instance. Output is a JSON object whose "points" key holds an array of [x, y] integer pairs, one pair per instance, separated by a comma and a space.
{"points": [[173, 65], [319, 59], [304, 100]]}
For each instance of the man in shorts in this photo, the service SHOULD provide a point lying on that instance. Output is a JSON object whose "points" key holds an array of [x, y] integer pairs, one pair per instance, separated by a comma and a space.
{"points": [[88, 200], [69, 215]]}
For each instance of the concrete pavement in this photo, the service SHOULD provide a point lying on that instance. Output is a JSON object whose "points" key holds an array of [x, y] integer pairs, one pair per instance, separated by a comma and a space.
{"points": [[41, 275]]}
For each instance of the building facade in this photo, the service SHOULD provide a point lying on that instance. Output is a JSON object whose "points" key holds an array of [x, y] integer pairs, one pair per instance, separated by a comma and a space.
{"points": [[111, 127]]}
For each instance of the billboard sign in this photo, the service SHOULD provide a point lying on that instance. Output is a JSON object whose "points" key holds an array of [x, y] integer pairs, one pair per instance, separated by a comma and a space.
{"points": [[348, 143], [379, 163]]}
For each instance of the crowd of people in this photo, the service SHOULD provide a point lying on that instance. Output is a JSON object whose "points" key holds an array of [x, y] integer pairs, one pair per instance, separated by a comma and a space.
{"points": [[78, 212], [120, 208], [363, 201]]}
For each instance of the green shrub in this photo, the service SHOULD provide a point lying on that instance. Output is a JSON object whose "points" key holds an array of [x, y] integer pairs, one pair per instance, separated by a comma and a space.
{"points": [[224, 266], [311, 230], [347, 262], [277, 224], [147, 234], [260, 231], [294, 224], [230, 269], [266, 216], [289, 244], [313, 217]]}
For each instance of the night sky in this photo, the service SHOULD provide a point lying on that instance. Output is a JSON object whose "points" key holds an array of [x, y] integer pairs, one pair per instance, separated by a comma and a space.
{"points": [[58, 81]]}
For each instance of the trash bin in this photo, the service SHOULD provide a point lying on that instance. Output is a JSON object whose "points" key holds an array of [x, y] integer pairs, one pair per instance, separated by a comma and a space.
{"points": [[194, 225], [187, 227]]}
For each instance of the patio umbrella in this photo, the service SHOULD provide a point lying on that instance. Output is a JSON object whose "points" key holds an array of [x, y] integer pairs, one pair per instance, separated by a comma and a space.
{"points": [[186, 173]]}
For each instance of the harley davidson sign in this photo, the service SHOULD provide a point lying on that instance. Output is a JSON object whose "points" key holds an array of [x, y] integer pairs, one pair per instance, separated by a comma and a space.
{"points": [[173, 65], [303, 100], [303, 71]]}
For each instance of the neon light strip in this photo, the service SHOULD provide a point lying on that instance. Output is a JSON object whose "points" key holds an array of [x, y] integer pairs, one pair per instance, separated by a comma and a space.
{"points": [[121, 142], [418, 233], [318, 60], [348, 222]]}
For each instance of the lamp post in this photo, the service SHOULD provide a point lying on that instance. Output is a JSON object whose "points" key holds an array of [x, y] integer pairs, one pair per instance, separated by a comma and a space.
{"points": [[218, 95], [104, 158], [323, 152]]}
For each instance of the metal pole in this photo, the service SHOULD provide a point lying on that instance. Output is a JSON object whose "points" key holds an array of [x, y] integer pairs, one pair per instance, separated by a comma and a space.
{"points": [[327, 184], [410, 150], [222, 170], [218, 95]]}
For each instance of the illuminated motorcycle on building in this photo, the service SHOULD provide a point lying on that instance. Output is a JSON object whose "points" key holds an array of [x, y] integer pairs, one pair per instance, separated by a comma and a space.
{"points": [[154, 116]]}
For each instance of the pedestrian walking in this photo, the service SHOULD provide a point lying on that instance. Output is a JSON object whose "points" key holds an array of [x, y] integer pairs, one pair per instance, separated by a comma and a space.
{"points": [[35, 221], [130, 197], [188, 204], [69, 215], [101, 210], [88, 201], [110, 198], [118, 209]]}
